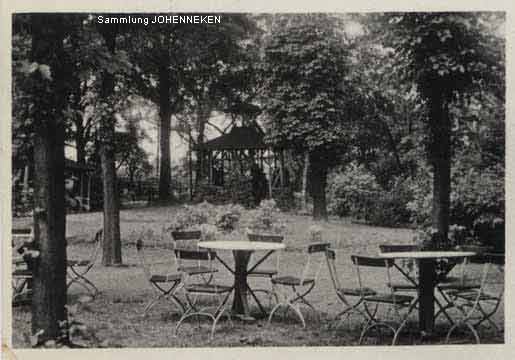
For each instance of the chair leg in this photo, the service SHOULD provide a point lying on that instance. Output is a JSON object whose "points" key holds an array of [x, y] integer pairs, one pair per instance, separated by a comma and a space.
{"points": [[298, 312], [456, 325], [487, 316], [219, 312], [274, 309], [375, 325], [80, 278]]}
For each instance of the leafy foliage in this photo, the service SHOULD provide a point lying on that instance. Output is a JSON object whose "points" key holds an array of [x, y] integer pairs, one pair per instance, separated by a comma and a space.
{"points": [[313, 110], [266, 218]]}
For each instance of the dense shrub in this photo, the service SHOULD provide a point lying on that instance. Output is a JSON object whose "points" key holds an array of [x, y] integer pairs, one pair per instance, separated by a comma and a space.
{"points": [[477, 202], [355, 192], [284, 198], [352, 191]]}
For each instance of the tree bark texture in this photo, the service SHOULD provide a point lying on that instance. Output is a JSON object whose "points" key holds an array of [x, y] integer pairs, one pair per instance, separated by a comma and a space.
{"points": [[49, 96], [318, 182], [111, 247], [440, 157]]}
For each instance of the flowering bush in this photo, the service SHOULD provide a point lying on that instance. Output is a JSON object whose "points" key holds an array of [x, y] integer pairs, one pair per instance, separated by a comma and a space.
{"points": [[267, 218], [228, 216], [190, 217]]}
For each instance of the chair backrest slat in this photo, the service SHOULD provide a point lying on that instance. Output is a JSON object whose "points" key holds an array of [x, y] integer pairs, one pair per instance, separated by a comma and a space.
{"points": [[371, 261], [318, 247], [22, 231], [194, 254], [265, 238], [186, 235], [386, 248]]}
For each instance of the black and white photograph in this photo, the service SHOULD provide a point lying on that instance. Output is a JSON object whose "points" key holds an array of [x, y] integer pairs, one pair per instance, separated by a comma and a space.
{"points": [[256, 180]]}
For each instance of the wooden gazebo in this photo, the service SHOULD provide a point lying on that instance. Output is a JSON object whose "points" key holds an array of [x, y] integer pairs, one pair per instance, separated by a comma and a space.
{"points": [[238, 150]]}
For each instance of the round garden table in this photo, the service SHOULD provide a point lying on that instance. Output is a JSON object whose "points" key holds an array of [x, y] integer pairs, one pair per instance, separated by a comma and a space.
{"points": [[426, 280], [242, 251]]}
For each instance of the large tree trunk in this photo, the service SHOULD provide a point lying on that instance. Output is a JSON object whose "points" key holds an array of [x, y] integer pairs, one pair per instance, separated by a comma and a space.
{"points": [[112, 249], [165, 114], [318, 182], [440, 156], [49, 269]]}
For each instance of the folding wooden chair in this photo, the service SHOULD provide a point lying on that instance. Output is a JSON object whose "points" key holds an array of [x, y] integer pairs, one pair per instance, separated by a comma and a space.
{"points": [[478, 305], [165, 285], [299, 287], [188, 240], [458, 279], [192, 290], [410, 285], [273, 266], [78, 269], [394, 301], [344, 293]]}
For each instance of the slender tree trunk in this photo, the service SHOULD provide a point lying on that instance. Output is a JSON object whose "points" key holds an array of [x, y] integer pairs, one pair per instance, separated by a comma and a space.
{"points": [[112, 249], [49, 269], [318, 182], [165, 114], [200, 167], [305, 172], [440, 156]]}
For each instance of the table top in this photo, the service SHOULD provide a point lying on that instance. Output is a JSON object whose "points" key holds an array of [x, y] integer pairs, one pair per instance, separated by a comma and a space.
{"points": [[241, 245], [426, 254]]}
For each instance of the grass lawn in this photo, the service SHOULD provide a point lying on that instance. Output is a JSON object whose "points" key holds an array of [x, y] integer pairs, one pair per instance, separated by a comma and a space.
{"points": [[115, 315]]}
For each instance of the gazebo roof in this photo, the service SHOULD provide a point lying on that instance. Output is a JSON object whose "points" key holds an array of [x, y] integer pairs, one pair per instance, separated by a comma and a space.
{"points": [[240, 137]]}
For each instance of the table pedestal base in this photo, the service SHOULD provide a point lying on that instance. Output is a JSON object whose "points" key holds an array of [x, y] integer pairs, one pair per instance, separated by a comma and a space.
{"points": [[240, 304], [426, 296]]}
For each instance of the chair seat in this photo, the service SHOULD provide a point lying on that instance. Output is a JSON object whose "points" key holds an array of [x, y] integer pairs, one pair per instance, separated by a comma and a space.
{"points": [[166, 278], [291, 280], [357, 291], [22, 273], [449, 279], [263, 272], [208, 288], [390, 298], [78, 262], [196, 270], [472, 295], [458, 285], [403, 286]]}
